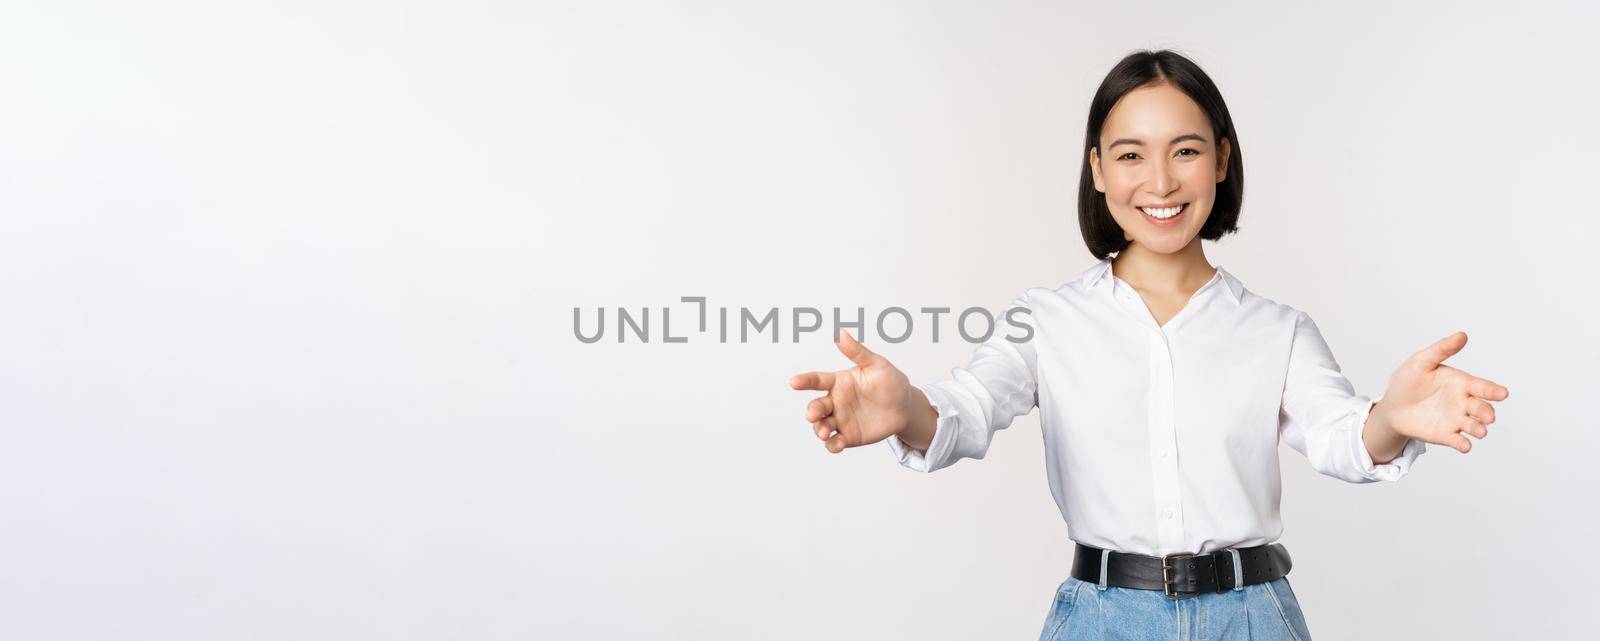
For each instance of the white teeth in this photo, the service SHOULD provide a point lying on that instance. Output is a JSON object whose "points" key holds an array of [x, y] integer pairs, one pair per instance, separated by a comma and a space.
{"points": [[1167, 212]]}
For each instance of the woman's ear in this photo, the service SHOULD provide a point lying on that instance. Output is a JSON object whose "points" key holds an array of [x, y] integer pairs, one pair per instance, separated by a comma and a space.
{"points": [[1222, 160], [1094, 169]]}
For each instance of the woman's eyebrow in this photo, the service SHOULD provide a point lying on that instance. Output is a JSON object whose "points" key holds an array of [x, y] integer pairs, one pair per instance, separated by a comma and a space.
{"points": [[1132, 141]]}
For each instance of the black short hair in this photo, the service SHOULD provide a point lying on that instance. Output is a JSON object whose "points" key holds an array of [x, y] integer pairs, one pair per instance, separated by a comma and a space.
{"points": [[1100, 231]]}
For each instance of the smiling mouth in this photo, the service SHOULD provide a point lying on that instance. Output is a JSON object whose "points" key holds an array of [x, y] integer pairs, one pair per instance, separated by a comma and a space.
{"points": [[1165, 213], [1164, 216]]}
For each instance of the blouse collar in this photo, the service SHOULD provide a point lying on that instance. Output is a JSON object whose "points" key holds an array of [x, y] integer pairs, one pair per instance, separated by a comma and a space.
{"points": [[1101, 273]]}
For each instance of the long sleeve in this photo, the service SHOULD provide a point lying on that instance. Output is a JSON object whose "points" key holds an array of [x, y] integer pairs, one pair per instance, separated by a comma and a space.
{"points": [[997, 386], [1322, 416]]}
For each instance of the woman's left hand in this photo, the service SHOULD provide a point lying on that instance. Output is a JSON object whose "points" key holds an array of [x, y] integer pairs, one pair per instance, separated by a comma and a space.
{"points": [[1436, 403]]}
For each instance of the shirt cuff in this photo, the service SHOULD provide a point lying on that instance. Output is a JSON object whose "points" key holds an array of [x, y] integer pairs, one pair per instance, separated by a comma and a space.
{"points": [[944, 435], [1393, 470]]}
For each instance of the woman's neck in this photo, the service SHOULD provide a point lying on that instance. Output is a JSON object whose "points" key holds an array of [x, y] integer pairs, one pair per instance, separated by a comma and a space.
{"points": [[1179, 273]]}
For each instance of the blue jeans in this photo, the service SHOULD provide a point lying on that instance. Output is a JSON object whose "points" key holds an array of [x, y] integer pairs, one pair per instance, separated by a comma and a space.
{"points": [[1082, 611]]}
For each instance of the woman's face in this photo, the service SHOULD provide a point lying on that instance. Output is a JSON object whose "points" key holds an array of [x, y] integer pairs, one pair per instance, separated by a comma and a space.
{"points": [[1159, 155]]}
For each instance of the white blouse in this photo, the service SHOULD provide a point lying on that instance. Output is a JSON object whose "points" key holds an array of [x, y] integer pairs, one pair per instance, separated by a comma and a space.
{"points": [[1160, 439]]}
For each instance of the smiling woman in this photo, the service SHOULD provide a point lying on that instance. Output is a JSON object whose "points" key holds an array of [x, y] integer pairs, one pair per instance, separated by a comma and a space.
{"points": [[1171, 168], [1164, 387]]}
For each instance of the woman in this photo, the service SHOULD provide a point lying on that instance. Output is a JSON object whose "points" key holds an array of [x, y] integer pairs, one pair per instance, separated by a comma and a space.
{"points": [[1163, 387]]}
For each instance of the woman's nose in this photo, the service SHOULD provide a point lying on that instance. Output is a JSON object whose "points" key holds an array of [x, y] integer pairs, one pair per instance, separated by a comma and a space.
{"points": [[1163, 182]]}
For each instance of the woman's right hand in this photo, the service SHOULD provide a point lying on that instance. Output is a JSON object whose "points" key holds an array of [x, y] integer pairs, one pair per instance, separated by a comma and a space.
{"points": [[864, 404]]}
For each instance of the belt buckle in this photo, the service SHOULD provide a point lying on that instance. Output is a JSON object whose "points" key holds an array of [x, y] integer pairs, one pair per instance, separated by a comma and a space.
{"points": [[1166, 577]]}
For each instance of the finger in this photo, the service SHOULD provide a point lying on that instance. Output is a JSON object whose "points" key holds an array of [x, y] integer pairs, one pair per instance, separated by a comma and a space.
{"points": [[824, 428], [1487, 389], [836, 443], [819, 408], [1473, 427], [820, 381], [1459, 442], [854, 350], [1431, 356], [1480, 409]]}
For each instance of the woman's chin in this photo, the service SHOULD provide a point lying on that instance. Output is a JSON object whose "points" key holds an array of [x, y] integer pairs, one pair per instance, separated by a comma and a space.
{"points": [[1165, 244]]}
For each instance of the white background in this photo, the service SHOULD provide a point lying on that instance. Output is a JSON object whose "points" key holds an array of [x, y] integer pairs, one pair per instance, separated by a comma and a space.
{"points": [[286, 297]]}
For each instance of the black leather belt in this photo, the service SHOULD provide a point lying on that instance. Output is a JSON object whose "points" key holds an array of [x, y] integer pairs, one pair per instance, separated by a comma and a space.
{"points": [[1182, 575]]}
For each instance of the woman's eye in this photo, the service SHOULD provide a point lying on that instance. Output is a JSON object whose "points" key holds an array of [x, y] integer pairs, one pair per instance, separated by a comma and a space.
{"points": [[1181, 152]]}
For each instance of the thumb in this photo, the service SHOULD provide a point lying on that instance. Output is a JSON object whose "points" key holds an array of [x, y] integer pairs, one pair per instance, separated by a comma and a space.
{"points": [[855, 351], [1431, 356]]}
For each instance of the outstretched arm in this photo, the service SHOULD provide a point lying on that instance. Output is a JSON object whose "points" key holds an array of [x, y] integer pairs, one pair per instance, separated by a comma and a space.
{"points": [[1363, 440], [1432, 402], [928, 426], [866, 403]]}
